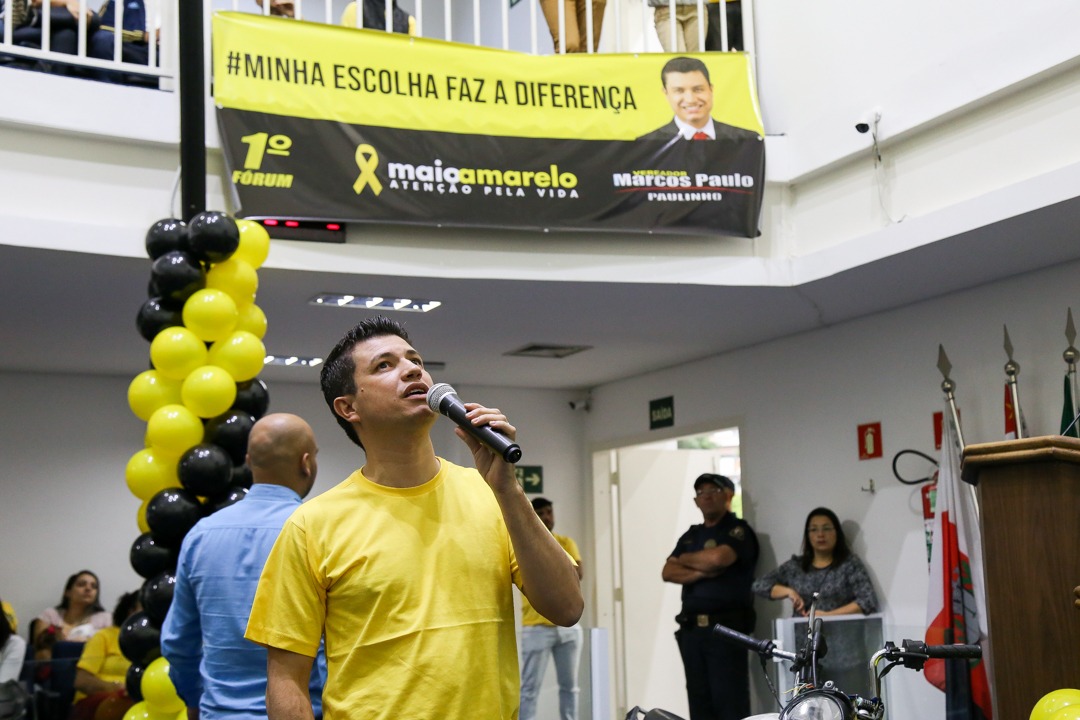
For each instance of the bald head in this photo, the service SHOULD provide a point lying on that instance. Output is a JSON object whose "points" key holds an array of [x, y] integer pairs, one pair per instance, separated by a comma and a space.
{"points": [[281, 451]]}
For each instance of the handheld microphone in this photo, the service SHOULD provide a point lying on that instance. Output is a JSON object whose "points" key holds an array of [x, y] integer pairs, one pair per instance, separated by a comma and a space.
{"points": [[442, 398]]}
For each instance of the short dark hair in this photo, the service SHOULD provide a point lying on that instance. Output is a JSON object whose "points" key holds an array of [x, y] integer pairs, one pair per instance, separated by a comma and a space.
{"points": [[123, 608], [840, 552], [683, 64], [338, 372], [95, 606], [541, 503]]}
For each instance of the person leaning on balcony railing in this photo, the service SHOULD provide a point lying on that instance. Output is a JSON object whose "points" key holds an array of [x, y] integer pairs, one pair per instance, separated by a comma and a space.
{"points": [[713, 38], [686, 22], [281, 8], [26, 22], [375, 17], [575, 17]]}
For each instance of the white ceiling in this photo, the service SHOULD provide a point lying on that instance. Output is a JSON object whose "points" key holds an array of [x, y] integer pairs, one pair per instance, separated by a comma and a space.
{"points": [[75, 313]]}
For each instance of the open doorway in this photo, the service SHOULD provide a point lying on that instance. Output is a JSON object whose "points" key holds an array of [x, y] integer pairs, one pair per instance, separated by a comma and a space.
{"points": [[643, 502]]}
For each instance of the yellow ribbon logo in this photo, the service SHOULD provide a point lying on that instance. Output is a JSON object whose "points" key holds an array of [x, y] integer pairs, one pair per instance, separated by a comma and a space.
{"points": [[367, 159]]}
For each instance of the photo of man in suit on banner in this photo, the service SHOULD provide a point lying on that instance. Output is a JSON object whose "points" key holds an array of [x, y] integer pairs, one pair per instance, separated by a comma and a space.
{"points": [[689, 91]]}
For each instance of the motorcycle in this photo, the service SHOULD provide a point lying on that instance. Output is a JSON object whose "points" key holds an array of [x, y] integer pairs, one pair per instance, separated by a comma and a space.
{"points": [[812, 699]]}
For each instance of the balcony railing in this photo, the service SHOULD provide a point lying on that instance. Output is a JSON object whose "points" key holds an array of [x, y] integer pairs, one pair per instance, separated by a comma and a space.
{"points": [[69, 38]]}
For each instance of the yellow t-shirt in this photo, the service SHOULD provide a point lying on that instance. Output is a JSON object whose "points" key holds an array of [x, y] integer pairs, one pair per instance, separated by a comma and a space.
{"points": [[413, 588], [529, 616], [101, 656], [9, 614]]}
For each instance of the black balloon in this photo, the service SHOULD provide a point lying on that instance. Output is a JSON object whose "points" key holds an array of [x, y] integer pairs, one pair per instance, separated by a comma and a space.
{"points": [[230, 431], [154, 316], [140, 639], [205, 469], [252, 397], [133, 682], [150, 558], [241, 476], [156, 596], [212, 236], [165, 236], [234, 495], [170, 514], [176, 276]]}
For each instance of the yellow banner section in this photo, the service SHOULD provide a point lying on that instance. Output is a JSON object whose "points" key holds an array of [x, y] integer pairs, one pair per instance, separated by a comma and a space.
{"points": [[368, 77]]}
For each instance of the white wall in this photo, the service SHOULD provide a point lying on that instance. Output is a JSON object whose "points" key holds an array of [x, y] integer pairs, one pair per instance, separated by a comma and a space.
{"points": [[800, 399]]}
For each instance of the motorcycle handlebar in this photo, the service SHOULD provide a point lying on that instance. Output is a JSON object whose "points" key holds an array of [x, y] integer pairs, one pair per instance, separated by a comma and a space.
{"points": [[766, 648], [946, 652]]}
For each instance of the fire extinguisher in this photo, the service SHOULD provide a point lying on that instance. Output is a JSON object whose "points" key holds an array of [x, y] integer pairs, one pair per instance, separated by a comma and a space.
{"points": [[928, 491]]}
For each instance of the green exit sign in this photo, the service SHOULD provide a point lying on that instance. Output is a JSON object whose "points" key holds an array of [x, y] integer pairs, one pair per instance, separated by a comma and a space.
{"points": [[662, 413], [531, 478]]}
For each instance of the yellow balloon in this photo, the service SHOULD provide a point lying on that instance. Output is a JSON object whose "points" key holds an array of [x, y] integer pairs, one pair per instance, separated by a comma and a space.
{"points": [[138, 711], [252, 320], [174, 429], [254, 243], [208, 391], [149, 471], [158, 690], [176, 351], [210, 314], [1069, 712], [241, 354], [140, 518], [236, 278], [1054, 701], [151, 390]]}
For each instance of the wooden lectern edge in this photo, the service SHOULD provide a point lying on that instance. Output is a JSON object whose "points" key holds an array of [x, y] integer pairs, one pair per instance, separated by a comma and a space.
{"points": [[1006, 452]]}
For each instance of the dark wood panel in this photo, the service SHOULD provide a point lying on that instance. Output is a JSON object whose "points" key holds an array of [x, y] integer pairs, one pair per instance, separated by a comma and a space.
{"points": [[1030, 514]]}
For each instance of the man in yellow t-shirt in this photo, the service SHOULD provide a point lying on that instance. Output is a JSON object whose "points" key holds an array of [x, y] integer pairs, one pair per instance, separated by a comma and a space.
{"points": [[407, 566], [541, 638]]}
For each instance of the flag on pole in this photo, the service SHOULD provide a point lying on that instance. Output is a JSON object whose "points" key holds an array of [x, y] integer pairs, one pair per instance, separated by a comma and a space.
{"points": [[1068, 412], [956, 604], [1010, 415]]}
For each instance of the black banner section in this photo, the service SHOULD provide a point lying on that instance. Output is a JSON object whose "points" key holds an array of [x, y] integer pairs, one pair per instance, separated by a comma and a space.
{"points": [[320, 169]]}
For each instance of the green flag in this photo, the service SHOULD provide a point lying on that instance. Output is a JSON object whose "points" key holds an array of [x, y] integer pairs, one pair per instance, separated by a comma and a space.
{"points": [[1067, 412]]}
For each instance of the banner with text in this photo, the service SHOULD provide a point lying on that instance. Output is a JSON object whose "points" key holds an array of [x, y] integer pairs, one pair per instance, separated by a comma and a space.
{"points": [[328, 122]]}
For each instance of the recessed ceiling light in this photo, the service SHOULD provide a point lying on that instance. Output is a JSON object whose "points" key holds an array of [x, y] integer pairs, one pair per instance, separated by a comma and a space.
{"points": [[374, 302], [292, 360], [548, 351]]}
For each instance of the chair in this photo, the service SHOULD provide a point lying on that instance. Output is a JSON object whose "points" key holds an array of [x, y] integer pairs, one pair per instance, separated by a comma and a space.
{"points": [[54, 690]]}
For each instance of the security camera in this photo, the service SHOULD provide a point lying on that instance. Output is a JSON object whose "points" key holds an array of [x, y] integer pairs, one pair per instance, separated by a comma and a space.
{"points": [[581, 404], [869, 120]]}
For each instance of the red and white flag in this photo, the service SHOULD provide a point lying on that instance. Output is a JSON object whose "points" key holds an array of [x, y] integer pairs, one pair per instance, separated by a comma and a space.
{"points": [[1010, 414], [956, 607]]}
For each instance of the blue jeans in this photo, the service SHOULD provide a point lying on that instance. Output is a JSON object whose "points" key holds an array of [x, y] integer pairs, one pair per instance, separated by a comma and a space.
{"points": [[564, 645]]}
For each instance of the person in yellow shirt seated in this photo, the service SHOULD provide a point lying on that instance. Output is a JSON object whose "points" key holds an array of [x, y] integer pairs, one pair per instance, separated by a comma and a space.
{"points": [[541, 638], [102, 668], [9, 615]]}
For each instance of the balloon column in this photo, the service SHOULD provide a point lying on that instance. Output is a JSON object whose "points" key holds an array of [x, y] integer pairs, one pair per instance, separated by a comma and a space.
{"points": [[199, 400]]}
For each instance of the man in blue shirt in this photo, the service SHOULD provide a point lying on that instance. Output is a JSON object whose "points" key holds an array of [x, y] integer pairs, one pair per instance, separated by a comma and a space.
{"points": [[211, 664]]}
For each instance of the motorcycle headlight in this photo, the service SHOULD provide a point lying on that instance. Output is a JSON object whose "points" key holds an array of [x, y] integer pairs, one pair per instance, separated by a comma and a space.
{"points": [[818, 705]]}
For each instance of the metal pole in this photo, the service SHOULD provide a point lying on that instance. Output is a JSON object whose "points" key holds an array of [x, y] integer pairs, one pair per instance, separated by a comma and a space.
{"points": [[192, 110]]}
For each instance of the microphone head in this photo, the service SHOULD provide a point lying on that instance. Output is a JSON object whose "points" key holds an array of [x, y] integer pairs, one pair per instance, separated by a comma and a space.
{"points": [[436, 393]]}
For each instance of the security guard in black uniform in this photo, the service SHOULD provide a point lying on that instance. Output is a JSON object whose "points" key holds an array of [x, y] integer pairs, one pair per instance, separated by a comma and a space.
{"points": [[714, 562]]}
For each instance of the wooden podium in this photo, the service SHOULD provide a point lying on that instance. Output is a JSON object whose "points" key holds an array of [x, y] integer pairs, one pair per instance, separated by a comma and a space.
{"points": [[1029, 500]]}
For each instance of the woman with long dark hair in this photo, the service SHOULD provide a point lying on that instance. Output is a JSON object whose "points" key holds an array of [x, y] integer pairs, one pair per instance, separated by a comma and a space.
{"points": [[827, 567], [78, 616]]}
